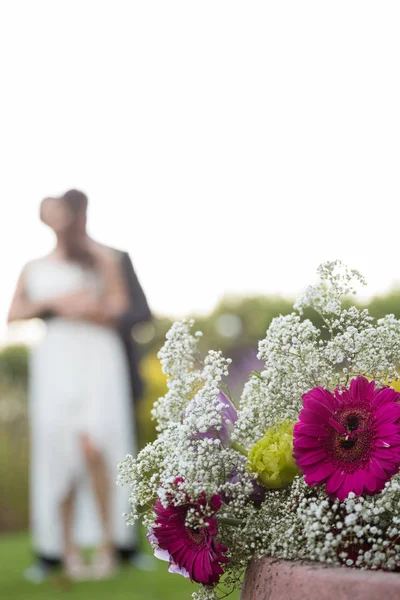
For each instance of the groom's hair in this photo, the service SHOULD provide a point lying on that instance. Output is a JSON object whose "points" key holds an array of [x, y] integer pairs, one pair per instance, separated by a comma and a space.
{"points": [[77, 251], [76, 200]]}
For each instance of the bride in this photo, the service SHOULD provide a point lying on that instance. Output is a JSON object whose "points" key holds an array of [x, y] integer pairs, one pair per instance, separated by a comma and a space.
{"points": [[81, 416]]}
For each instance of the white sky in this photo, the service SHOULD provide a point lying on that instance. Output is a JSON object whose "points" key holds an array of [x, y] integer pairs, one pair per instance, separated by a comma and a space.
{"points": [[229, 146]]}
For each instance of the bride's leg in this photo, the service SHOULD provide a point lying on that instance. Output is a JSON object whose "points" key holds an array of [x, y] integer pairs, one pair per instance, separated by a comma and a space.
{"points": [[73, 565], [101, 487], [67, 510]]}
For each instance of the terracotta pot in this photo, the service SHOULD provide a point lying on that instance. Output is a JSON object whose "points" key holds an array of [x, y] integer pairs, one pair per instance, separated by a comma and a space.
{"points": [[273, 579]]}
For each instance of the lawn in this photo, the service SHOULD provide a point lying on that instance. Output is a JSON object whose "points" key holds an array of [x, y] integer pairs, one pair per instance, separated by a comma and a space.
{"points": [[130, 584]]}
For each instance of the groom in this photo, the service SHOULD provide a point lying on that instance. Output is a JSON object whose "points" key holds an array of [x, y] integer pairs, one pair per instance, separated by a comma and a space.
{"points": [[138, 312]]}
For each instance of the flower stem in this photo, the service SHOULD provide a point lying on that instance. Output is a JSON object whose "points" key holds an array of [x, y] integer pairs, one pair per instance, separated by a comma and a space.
{"points": [[228, 521], [240, 449], [257, 374]]}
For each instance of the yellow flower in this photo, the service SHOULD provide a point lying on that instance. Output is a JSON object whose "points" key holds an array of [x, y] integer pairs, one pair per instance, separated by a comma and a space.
{"points": [[395, 385], [272, 457]]}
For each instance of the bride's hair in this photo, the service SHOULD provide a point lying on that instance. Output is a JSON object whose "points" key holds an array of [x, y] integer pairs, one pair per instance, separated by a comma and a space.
{"points": [[75, 244]]}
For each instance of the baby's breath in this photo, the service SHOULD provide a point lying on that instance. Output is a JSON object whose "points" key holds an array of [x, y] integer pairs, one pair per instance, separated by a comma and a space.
{"points": [[297, 522]]}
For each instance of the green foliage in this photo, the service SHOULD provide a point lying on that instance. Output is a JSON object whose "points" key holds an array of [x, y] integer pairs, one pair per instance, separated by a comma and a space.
{"points": [[130, 583], [155, 387], [254, 317], [14, 363], [383, 305], [14, 461]]}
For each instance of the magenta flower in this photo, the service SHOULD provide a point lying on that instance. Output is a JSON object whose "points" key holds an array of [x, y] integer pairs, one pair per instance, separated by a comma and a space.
{"points": [[192, 551], [349, 439], [165, 555]]}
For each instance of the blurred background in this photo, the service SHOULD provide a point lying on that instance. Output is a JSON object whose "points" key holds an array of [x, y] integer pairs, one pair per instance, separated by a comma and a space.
{"points": [[229, 147]]}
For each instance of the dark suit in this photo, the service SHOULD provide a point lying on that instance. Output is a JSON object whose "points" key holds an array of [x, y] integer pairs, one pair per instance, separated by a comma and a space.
{"points": [[137, 312]]}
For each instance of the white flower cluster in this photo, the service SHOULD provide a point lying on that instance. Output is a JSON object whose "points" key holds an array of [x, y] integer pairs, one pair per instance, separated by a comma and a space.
{"points": [[361, 531], [204, 411], [190, 408], [178, 361], [292, 363], [336, 281], [299, 521]]}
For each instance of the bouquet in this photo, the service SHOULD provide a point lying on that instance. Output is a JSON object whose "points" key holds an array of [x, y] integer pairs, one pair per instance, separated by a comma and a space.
{"points": [[304, 466]]}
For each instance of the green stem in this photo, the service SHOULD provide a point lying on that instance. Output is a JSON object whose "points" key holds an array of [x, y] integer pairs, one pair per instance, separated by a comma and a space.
{"points": [[236, 446], [257, 374], [228, 521]]}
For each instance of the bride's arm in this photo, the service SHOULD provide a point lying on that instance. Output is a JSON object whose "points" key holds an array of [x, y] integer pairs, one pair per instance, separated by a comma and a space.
{"points": [[22, 307], [81, 305]]}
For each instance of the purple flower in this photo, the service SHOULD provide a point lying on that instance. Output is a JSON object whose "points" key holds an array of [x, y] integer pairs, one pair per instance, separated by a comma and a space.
{"points": [[257, 496], [244, 362], [229, 418]]}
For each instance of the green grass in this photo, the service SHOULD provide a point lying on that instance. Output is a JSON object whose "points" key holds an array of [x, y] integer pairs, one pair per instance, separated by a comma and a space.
{"points": [[130, 584]]}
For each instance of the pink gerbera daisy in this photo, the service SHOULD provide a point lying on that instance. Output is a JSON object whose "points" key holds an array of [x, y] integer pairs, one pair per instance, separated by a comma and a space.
{"points": [[349, 439], [195, 551]]}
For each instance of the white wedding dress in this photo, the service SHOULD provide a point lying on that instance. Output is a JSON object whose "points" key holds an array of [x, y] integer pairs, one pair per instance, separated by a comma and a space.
{"points": [[79, 384]]}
